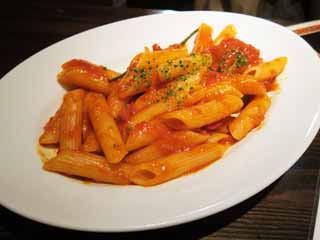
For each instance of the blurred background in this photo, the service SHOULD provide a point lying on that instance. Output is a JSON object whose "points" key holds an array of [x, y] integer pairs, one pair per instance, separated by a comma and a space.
{"points": [[291, 10], [29, 26]]}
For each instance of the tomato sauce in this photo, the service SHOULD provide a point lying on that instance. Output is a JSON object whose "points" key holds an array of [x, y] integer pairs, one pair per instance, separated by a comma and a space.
{"points": [[212, 77], [233, 56]]}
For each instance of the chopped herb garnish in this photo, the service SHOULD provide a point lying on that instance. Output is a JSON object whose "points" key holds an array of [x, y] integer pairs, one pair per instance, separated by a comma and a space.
{"points": [[171, 93], [142, 76], [130, 127], [221, 64], [182, 78], [241, 60]]}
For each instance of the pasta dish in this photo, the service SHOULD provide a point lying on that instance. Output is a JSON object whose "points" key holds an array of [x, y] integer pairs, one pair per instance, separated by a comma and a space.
{"points": [[172, 111]]}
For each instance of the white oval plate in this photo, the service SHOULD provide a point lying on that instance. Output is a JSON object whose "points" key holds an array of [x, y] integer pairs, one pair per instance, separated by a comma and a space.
{"points": [[29, 94]]}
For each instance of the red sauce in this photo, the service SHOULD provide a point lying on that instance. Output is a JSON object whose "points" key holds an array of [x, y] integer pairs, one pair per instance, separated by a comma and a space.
{"points": [[156, 47], [228, 140], [126, 112], [153, 128], [224, 55], [213, 77]]}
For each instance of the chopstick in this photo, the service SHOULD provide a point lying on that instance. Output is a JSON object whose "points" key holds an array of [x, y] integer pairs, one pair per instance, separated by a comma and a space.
{"points": [[306, 27]]}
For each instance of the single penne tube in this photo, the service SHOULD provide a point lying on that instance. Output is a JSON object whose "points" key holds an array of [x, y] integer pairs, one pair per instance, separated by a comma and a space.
{"points": [[248, 85], [171, 143], [51, 131], [172, 93], [145, 133], [182, 66], [268, 70], [149, 113], [203, 39], [106, 129], [71, 120], [136, 81], [91, 143], [172, 166], [216, 137], [228, 32], [244, 83], [206, 94], [156, 58], [88, 165], [250, 117], [76, 77], [202, 114], [116, 105]]}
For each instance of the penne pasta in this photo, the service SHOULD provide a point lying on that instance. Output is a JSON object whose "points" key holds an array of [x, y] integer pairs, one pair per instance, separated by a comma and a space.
{"points": [[228, 32], [51, 131], [221, 126], [216, 137], [203, 114], [203, 39], [268, 70], [173, 94], [212, 92], [145, 133], [90, 166], [115, 104], [172, 166], [71, 120], [249, 86], [86, 125], [171, 143], [83, 74], [91, 143], [250, 117], [156, 58], [170, 113], [182, 66], [143, 73], [106, 129], [150, 112]]}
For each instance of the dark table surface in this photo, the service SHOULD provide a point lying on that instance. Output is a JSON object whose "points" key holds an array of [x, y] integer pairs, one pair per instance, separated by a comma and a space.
{"points": [[284, 210]]}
